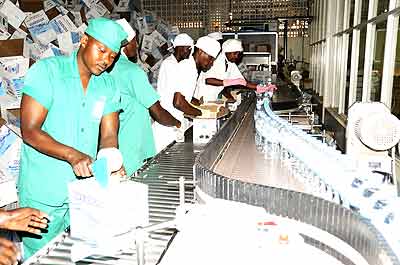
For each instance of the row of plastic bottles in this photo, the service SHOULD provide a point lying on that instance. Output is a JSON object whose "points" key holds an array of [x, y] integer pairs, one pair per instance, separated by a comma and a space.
{"points": [[327, 172]]}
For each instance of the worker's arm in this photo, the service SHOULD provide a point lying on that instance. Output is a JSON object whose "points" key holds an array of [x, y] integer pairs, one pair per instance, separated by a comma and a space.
{"points": [[238, 82], [214, 82], [162, 116], [231, 82], [227, 94], [109, 130], [33, 114], [181, 104], [109, 126]]}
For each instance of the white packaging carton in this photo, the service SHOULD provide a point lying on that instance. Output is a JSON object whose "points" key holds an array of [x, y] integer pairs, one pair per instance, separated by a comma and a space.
{"points": [[15, 16], [204, 130], [10, 149], [107, 217]]}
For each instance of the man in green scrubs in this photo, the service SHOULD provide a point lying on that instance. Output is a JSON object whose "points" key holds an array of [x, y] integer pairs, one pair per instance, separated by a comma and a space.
{"points": [[139, 100], [68, 106]]}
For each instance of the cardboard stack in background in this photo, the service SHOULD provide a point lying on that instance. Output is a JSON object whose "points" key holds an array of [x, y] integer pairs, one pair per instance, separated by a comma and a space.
{"points": [[155, 42], [34, 29]]}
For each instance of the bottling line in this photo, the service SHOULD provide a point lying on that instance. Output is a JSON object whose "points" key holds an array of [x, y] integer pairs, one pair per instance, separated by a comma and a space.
{"points": [[263, 187]]}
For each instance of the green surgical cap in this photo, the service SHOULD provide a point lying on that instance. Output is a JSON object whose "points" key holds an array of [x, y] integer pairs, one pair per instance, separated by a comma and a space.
{"points": [[107, 31]]}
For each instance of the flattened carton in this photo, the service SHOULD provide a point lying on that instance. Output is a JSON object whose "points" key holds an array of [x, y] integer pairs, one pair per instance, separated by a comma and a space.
{"points": [[10, 151]]}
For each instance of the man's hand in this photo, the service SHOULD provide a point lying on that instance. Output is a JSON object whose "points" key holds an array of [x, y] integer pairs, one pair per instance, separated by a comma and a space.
{"points": [[234, 82], [201, 101], [80, 163], [24, 219], [8, 252], [199, 113]]}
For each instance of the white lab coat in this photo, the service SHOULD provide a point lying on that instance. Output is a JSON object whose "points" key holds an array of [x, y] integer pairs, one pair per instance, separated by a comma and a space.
{"points": [[174, 77], [221, 69]]}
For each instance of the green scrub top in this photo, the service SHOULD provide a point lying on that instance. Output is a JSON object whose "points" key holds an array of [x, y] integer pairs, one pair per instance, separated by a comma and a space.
{"points": [[135, 138], [73, 119]]}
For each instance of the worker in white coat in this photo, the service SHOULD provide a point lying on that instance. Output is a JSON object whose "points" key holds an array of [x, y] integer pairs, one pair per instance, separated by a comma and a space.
{"points": [[169, 73], [177, 89], [225, 73]]}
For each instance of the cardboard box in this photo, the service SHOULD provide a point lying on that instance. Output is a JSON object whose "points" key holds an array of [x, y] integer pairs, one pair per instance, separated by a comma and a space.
{"points": [[52, 13], [31, 5], [12, 47], [13, 67], [14, 117], [108, 5], [35, 19], [10, 150], [204, 130], [14, 15], [90, 208], [82, 12]]}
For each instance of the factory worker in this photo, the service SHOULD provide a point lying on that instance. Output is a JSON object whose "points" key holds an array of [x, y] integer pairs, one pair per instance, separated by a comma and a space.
{"points": [[205, 52], [184, 82], [139, 100], [225, 73], [166, 81], [23, 219], [69, 107]]}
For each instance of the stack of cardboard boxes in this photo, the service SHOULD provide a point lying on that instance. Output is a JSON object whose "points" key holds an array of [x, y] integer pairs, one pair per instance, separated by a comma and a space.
{"points": [[155, 42]]}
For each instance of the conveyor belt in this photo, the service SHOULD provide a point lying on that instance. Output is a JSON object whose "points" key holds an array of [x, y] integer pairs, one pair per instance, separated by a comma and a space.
{"points": [[167, 167], [243, 162], [336, 222]]}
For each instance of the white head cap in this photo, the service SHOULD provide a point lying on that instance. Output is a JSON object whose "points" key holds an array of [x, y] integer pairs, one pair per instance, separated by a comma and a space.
{"points": [[215, 35], [183, 39], [128, 28], [209, 46], [232, 45]]}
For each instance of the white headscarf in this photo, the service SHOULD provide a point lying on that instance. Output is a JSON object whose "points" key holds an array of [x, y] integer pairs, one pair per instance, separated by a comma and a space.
{"points": [[183, 39], [232, 45], [209, 46], [215, 35]]}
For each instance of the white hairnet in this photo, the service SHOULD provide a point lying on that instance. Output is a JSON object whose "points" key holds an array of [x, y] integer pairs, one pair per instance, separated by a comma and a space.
{"points": [[232, 45], [209, 46], [215, 35], [128, 28], [183, 39]]}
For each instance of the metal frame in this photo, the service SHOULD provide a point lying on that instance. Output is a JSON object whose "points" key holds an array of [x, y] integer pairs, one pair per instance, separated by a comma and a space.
{"points": [[369, 51], [355, 50], [344, 58], [390, 52]]}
